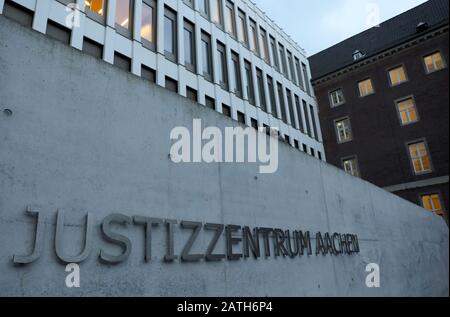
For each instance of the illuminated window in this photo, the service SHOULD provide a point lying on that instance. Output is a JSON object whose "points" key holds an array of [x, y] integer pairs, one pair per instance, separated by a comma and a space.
{"points": [[350, 165], [123, 16], [216, 11], [337, 97], [148, 19], [432, 203], [343, 130], [407, 111], [397, 76], [420, 158], [96, 6], [365, 87], [434, 62]]}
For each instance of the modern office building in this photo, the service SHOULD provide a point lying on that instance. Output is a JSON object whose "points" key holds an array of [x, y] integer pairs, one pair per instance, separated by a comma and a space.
{"points": [[384, 104], [226, 55]]}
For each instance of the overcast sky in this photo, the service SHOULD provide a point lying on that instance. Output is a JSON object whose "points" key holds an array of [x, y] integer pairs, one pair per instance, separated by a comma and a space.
{"points": [[318, 24]]}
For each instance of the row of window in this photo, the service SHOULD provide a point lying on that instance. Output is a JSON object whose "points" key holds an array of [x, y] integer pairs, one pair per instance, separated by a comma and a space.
{"points": [[407, 113], [418, 155], [254, 38], [398, 75]]}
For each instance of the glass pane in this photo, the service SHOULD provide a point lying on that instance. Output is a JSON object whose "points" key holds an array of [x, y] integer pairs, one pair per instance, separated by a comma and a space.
{"points": [[123, 13], [188, 47], [215, 10], [205, 54], [438, 61], [412, 115], [426, 202], [436, 203], [404, 117], [220, 66], [95, 6], [168, 35], [426, 164], [417, 166], [229, 20], [147, 23], [202, 6], [241, 34], [429, 63]]}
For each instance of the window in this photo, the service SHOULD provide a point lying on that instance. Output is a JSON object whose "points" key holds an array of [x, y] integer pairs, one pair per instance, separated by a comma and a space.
{"points": [[210, 102], [92, 48], [189, 46], [305, 112], [313, 153], [304, 148], [263, 45], [190, 3], [216, 12], [250, 87], [283, 60], [96, 9], [203, 7], [222, 65], [58, 32], [319, 155], [254, 47], [170, 35], [148, 74], [273, 103], [18, 13], [282, 104], [262, 93], [191, 94], [337, 97], [276, 60], [242, 27], [171, 84], [236, 74], [291, 67], [432, 202], [226, 110], [148, 25], [305, 74], [206, 56], [343, 130], [291, 107], [299, 114], [230, 23], [313, 118], [420, 158], [434, 62], [123, 17], [299, 74], [407, 111], [397, 76], [122, 61], [365, 87], [254, 123], [350, 165], [241, 117]]}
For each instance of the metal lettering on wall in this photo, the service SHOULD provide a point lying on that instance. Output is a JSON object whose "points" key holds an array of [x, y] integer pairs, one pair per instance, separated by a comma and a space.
{"points": [[241, 241]]}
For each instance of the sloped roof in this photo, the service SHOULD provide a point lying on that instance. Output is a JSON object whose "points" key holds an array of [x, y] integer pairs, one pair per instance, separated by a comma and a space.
{"points": [[377, 39]]}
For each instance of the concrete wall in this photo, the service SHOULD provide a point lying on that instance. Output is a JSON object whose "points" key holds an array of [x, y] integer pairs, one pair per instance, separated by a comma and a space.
{"points": [[78, 140]]}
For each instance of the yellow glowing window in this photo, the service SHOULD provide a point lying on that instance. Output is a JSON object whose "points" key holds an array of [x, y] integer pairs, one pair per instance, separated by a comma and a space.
{"points": [[433, 203], [407, 110], [96, 6], [397, 76], [365, 87], [434, 62], [123, 13], [147, 26], [420, 158]]}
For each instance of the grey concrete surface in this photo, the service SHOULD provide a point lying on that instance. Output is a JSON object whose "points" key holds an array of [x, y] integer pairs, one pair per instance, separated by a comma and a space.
{"points": [[85, 136]]}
